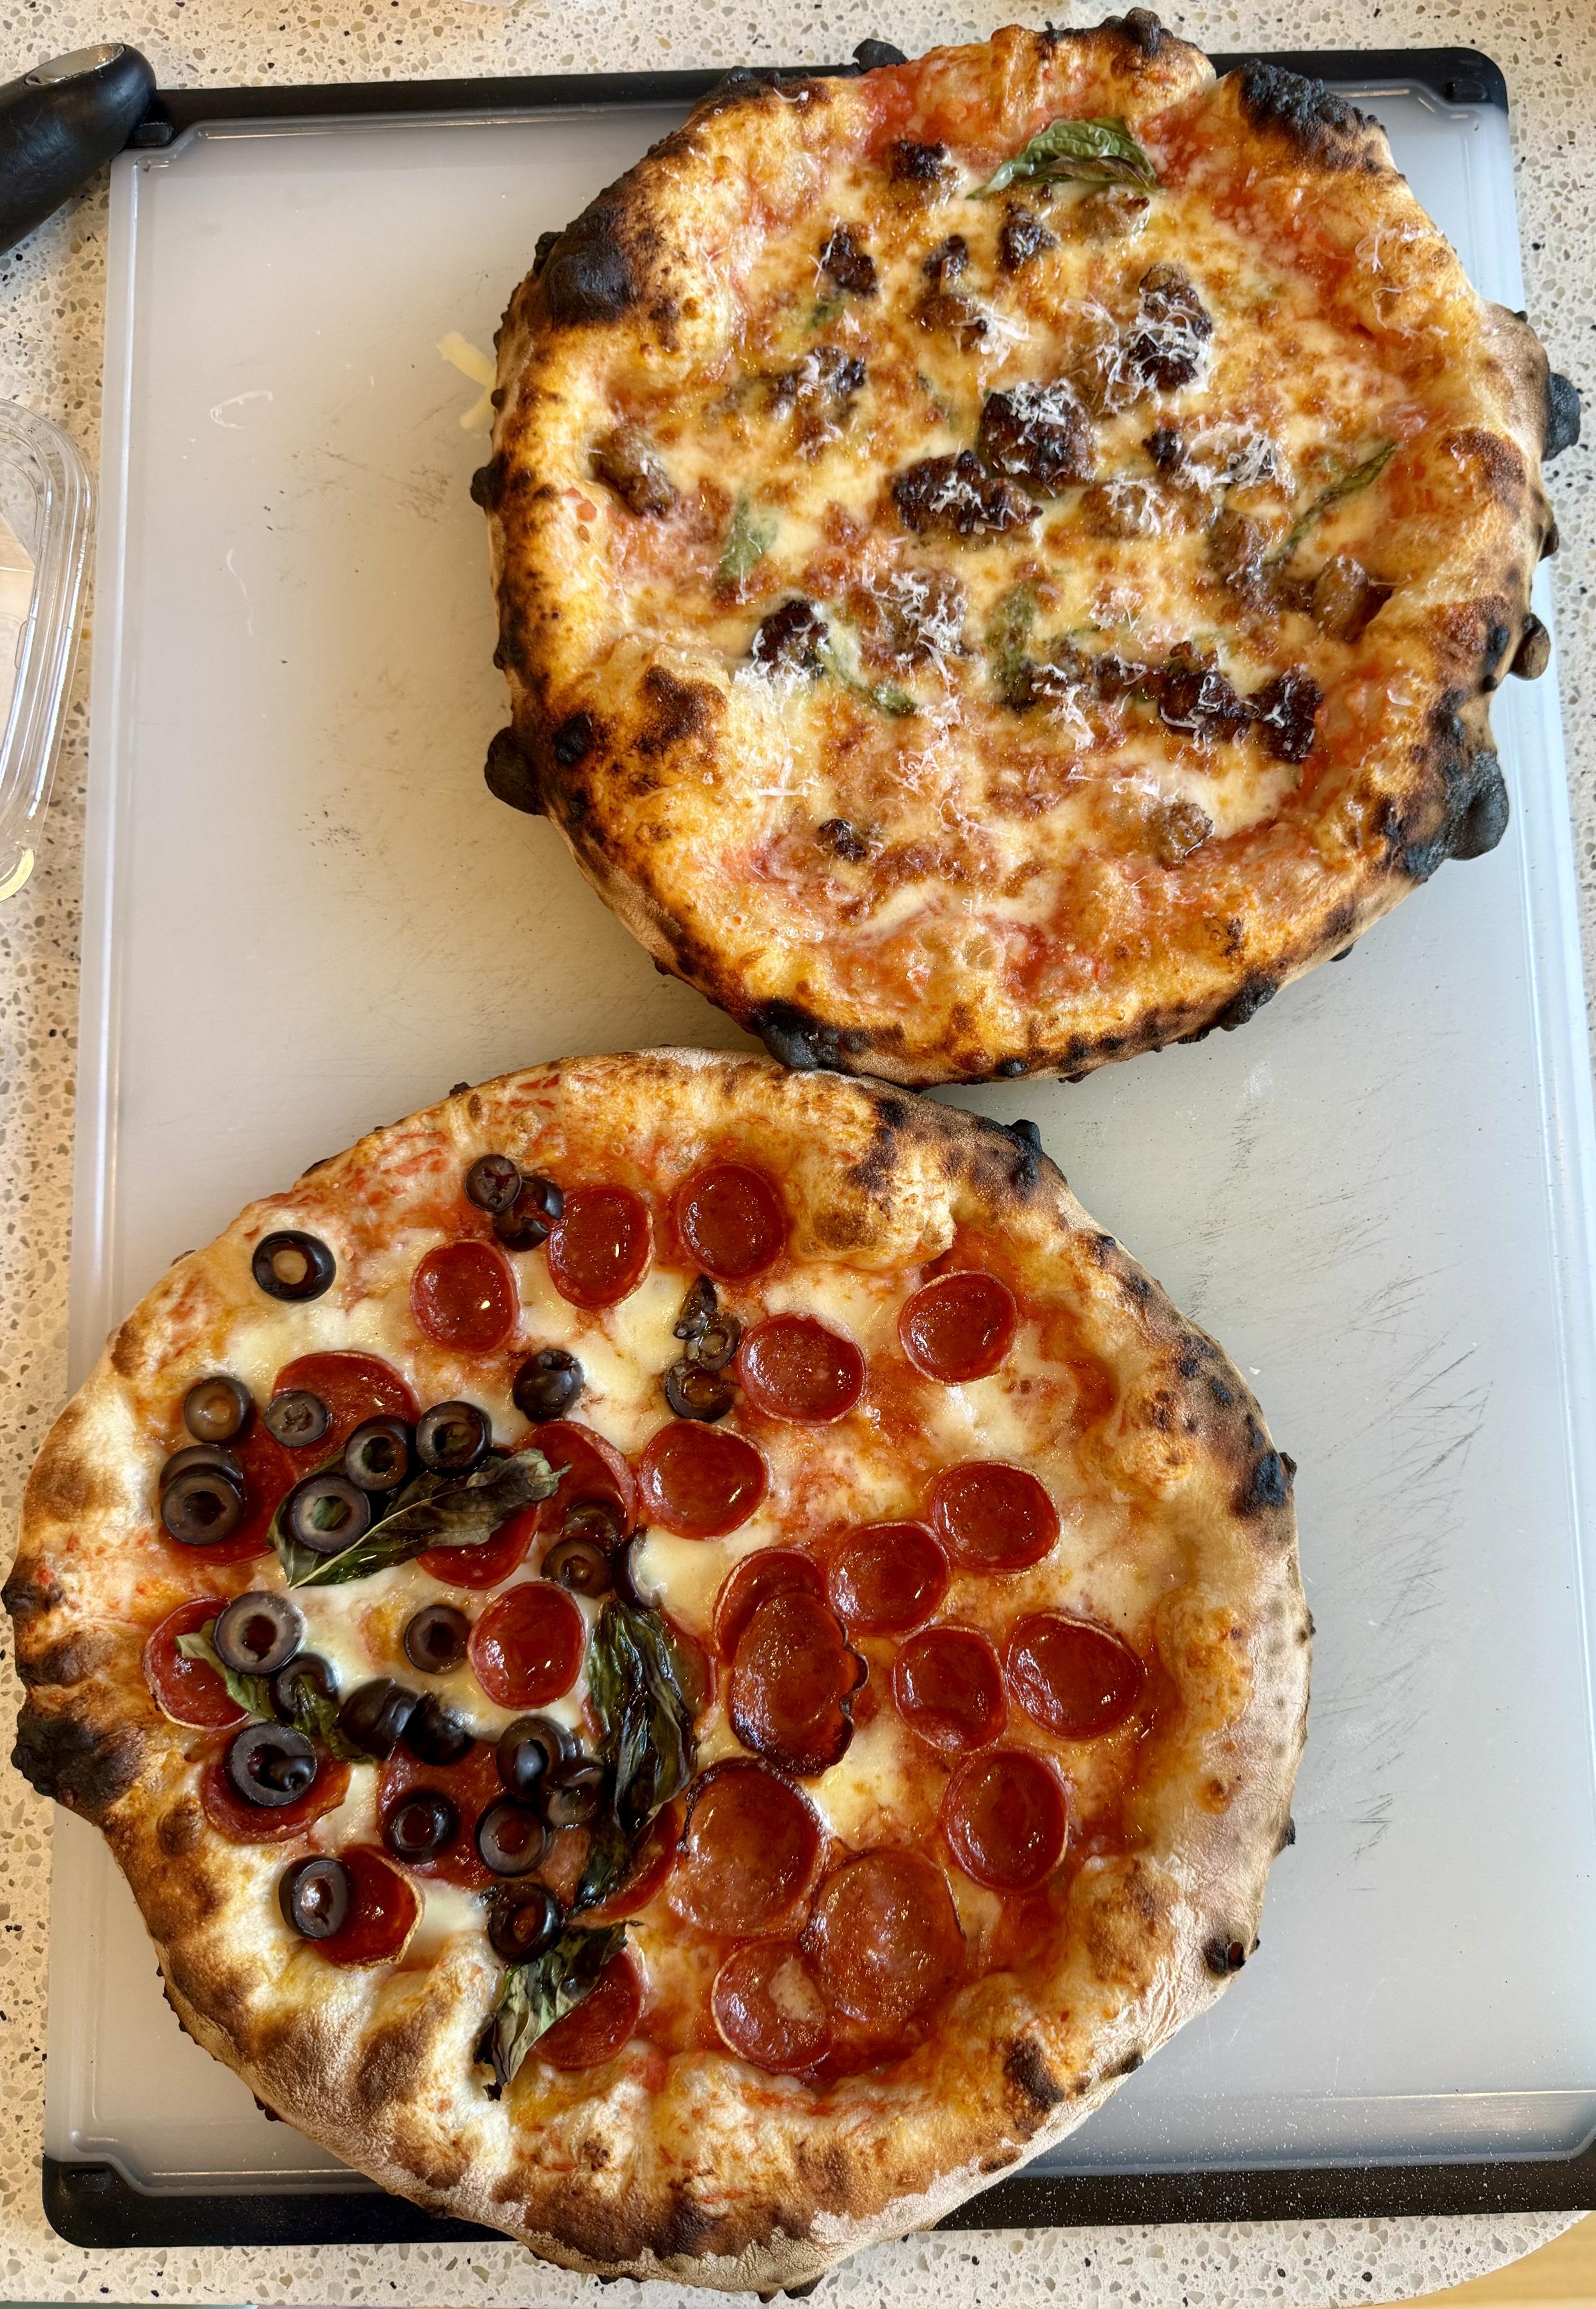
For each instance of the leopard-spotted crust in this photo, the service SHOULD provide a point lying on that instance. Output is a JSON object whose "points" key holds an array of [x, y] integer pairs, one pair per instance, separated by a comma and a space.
{"points": [[696, 2167], [968, 889]]}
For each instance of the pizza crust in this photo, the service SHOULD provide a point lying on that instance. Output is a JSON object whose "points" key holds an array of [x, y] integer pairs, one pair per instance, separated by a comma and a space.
{"points": [[656, 757], [692, 2167]]}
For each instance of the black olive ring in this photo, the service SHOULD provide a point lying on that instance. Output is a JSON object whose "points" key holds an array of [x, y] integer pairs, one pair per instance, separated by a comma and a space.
{"points": [[216, 1409], [317, 1265], [203, 1503], [310, 1513], [258, 1633], [316, 1896], [270, 1764]]}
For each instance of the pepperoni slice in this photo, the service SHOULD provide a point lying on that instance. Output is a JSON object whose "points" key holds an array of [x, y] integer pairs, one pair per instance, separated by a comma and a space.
{"points": [[650, 1869], [732, 1219], [750, 1854], [792, 1679], [949, 1689], [1005, 1818], [491, 1560], [887, 1578], [700, 1481], [793, 1367], [247, 1823], [958, 1326], [887, 1937], [768, 2009], [1074, 1678], [355, 1388], [190, 1691], [464, 1295], [595, 2029], [773, 1571], [592, 1474], [383, 1912], [470, 1785], [993, 1518], [599, 1253], [527, 1647]]}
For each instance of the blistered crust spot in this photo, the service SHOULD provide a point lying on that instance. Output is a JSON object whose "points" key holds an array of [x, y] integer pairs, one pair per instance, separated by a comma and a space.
{"points": [[1325, 130]]}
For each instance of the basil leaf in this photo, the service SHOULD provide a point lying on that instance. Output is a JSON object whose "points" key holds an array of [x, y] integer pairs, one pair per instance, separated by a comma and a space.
{"points": [[1345, 485], [437, 1511], [297, 1560], [636, 1690], [253, 1693], [748, 540], [1008, 641], [1093, 152], [533, 1996], [886, 697]]}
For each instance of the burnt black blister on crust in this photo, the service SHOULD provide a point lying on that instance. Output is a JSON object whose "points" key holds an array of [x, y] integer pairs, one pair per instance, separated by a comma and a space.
{"points": [[1265, 1485], [1562, 415], [1025, 2068], [66, 1761], [509, 774], [875, 56], [1141, 28], [794, 1039], [587, 275], [1324, 128], [488, 483], [1474, 806]]}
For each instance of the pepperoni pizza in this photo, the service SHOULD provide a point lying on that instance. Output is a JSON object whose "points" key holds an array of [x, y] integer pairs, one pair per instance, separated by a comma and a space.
{"points": [[1002, 561], [684, 1659]]}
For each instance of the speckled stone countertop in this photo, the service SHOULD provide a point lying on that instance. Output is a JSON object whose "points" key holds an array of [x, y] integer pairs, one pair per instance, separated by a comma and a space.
{"points": [[51, 296]]}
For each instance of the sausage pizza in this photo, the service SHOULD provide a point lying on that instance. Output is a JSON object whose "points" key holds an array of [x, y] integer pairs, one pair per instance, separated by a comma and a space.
{"points": [[684, 1659], [1002, 561]]}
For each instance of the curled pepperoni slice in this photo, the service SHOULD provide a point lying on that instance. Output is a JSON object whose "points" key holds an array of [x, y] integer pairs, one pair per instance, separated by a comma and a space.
{"points": [[958, 1326], [768, 2009], [770, 1573], [1005, 1818], [599, 1253], [887, 1937], [732, 1219], [700, 1481], [527, 1647], [949, 1689], [354, 1388], [887, 1578], [1074, 1678], [491, 1560], [795, 1368], [792, 1680], [651, 1868], [750, 1854], [383, 1912], [592, 1474], [470, 1785], [245, 1823], [595, 2029], [190, 1691], [464, 1295], [993, 1518]]}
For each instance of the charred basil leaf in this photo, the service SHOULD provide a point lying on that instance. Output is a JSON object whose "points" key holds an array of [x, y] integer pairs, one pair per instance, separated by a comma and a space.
{"points": [[315, 1711], [636, 1688], [253, 1693], [434, 1510], [1093, 152], [749, 538], [1345, 485], [534, 1995]]}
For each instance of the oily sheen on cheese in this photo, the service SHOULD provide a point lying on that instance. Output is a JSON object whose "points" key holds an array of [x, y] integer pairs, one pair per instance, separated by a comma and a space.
{"points": [[669, 1617], [969, 621]]}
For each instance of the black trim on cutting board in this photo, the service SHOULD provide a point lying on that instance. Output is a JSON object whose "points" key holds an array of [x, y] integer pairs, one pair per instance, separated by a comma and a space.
{"points": [[89, 2204]]}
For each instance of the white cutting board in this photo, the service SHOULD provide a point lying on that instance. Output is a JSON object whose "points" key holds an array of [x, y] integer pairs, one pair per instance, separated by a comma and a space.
{"points": [[305, 915]]}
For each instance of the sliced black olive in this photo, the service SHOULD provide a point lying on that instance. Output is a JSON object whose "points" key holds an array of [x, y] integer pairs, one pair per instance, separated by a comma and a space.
{"points": [[510, 1840], [297, 1418], [374, 1714], [215, 1410], [522, 1227], [698, 1308], [203, 1455], [437, 1736], [201, 1504], [694, 1393], [420, 1824], [580, 1566], [716, 1343], [598, 1521], [528, 1751], [435, 1638], [258, 1633], [316, 1896], [521, 1925], [630, 1585], [326, 1512], [547, 1385], [290, 1265], [574, 1792], [377, 1455], [451, 1437], [270, 1764], [297, 1688], [492, 1182]]}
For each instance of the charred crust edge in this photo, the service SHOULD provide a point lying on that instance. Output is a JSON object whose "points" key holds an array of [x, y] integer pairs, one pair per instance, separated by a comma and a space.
{"points": [[1325, 128], [587, 274], [63, 1758]]}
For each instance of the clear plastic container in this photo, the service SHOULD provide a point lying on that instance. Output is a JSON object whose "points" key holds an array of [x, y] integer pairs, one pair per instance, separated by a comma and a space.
{"points": [[46, 521]]}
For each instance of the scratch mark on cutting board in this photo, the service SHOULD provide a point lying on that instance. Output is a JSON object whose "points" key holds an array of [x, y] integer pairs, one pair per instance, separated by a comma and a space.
{"points": [[232, 570], [239, 401]]}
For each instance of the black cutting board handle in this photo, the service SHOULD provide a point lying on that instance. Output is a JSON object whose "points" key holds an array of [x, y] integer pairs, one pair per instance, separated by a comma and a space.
{"points": [[59, 123]]}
